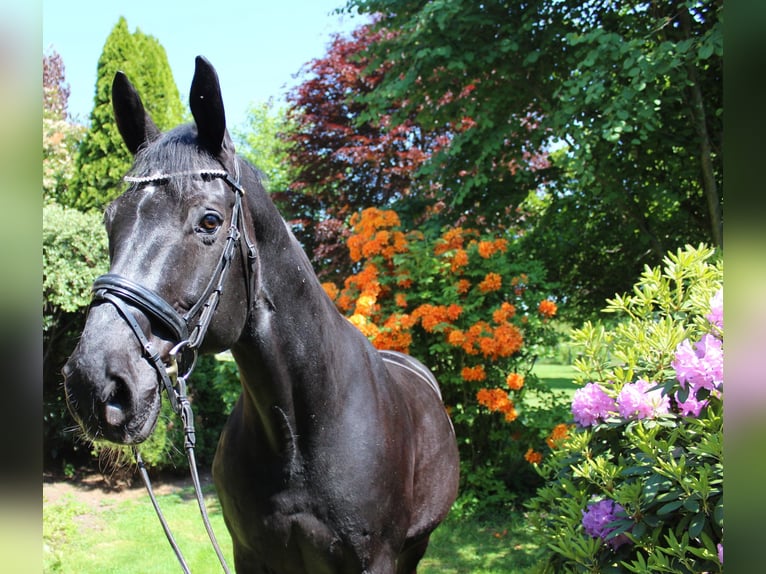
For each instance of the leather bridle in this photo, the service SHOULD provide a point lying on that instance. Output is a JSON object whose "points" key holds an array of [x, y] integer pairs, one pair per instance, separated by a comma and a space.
{"points": [[188, 332]]}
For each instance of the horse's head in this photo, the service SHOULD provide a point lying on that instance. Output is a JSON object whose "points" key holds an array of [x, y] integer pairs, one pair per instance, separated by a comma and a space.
{"points": [[168, 236]]}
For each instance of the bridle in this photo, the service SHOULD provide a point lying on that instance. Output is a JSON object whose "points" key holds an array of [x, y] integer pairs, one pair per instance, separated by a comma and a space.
{"points": [[187, 333]]}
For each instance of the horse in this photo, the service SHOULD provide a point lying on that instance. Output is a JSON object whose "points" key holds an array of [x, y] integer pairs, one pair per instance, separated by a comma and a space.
{"points": [[337, 457]]}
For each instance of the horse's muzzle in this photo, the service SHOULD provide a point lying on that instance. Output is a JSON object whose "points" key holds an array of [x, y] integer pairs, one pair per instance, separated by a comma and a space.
{"points": [[109, 403]]}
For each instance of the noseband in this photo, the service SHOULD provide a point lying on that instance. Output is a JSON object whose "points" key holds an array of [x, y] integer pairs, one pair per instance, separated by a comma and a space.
{"points": [[187, 333]]}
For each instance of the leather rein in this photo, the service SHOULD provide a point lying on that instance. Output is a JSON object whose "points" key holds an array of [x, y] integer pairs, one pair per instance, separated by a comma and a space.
{"points": [[188, 334]]}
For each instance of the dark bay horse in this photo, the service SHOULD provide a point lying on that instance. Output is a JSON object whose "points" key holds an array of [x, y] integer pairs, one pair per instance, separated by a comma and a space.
{"points": [[337, 458]]}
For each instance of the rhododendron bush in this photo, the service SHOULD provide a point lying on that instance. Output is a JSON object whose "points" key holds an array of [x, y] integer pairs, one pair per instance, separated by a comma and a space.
{"points": [[637, 485], [463, 303]]}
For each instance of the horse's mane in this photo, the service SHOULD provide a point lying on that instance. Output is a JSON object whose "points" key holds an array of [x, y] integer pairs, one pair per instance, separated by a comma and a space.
{"points": [[175, 151]]}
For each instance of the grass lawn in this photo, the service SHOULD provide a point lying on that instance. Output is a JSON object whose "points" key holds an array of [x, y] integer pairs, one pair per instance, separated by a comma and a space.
{"points": [[126, 537], [558, 377]]}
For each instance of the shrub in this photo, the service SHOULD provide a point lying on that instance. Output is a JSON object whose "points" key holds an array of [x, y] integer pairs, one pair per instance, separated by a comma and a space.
{"points": [[638, 484], [478, 315]]}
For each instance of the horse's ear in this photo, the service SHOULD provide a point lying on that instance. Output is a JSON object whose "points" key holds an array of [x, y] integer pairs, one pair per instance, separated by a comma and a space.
{"points": [[134, 123], [206, 105]]}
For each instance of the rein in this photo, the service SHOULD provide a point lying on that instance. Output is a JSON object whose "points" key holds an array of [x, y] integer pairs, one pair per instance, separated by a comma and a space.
{"points": [[121, 292]]}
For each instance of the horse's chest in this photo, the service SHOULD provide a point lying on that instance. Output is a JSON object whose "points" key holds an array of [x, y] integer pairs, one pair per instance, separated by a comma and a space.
{"points": [[285, 535]]}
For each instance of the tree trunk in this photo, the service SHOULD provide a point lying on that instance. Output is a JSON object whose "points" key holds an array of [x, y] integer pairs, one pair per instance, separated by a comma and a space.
{"points": [[709, 186]]}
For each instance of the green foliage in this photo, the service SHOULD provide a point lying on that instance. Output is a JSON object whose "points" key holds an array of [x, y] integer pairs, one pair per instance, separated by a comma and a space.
{"points": [[74, 254], [262, 144], [665, 470], [611, 110], [61, 140], [476, 313], [103, 159]]}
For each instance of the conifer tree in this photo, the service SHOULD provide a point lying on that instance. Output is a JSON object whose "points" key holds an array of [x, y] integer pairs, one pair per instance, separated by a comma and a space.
{"points": [[103, 158]]}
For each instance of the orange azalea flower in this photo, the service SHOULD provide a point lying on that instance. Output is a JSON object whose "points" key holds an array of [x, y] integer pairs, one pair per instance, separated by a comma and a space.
{"points": [[505, 312], [344, 302], [547, 308], [533, 457], [501, 245], [454, 311], [456, 338], [370, 235], [365, 305], [463, 286], [393, 340], [401, 300], [508, 340], [331, 289], [510, 414], [491, 282], [473, 373], [493, 399], [559, 434], [452, 239], [459, 260], [496, 400], [431, 316], [515, 381], [367, 275], [486, 249], [364, 325]]}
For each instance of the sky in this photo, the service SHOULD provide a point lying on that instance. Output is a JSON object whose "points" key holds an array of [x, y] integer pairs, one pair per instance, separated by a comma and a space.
{"points": [[256, 46]]}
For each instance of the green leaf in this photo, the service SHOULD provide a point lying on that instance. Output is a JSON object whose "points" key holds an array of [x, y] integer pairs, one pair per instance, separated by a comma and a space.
{"points": [[669, 507]]}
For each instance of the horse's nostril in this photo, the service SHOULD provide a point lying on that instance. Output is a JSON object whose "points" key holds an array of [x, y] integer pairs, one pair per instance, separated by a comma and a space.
{"points": [[115, 415], [117, 404]]}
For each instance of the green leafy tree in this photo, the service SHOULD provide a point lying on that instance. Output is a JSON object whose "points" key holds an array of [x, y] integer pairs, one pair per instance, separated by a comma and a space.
{"points": [[103, 158], [261, 142], [632, 91]]}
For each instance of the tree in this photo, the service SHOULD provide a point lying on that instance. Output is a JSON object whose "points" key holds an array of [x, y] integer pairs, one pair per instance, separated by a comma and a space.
{"points": [[346, 160], [262, 143], [103, 158], [61, 137], [631, 90]]}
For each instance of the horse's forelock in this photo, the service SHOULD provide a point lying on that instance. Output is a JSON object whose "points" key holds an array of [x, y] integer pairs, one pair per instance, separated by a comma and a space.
{"points": [[176, 151]]}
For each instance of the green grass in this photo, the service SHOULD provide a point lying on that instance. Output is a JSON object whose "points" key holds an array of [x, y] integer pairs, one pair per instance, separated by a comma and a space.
{"points": [[126, 538], [558, 377]]}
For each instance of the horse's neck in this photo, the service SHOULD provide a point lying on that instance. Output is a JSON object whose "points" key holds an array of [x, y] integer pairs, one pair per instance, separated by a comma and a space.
{"points": [[294, 336]]}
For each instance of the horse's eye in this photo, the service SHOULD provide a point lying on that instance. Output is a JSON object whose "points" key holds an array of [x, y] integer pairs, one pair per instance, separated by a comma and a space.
{"points": [[209, 223]]}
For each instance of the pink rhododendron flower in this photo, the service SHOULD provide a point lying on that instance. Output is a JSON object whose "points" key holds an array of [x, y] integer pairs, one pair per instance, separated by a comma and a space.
{"points": [[596, 520], [591, 404], [700, 367], [636, 401], [691, 407], [716, 310]]}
